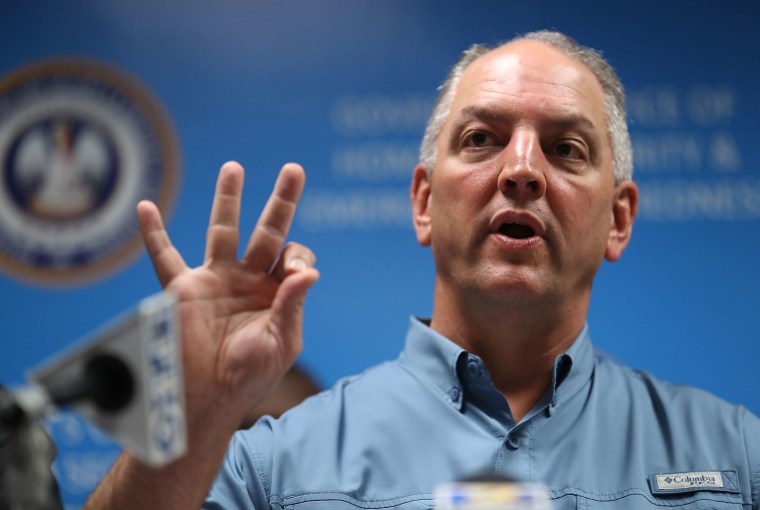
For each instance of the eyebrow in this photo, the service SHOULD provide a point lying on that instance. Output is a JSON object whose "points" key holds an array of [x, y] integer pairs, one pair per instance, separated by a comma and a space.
{"points": [[473, 112], [489, 114]]}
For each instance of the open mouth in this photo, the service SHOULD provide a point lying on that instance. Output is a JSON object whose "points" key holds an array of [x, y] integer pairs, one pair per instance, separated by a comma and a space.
{"points": [[516, 230]]}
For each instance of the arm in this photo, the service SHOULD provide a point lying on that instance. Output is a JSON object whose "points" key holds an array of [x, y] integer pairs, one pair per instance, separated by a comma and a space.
{"points": [[241, 329]]}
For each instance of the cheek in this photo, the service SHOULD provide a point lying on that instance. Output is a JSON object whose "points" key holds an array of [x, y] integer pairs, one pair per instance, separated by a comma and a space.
{"points": [[583, 210], [456, 206], [464, 190]]}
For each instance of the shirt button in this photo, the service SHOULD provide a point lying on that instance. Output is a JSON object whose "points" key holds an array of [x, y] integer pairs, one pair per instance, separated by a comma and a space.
{"points": [[513, 443], [474, 371], [454, 393]]}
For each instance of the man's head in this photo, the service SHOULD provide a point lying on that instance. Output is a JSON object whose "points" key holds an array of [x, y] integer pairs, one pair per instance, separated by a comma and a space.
{"points": [[614, 98], [518, 197]]}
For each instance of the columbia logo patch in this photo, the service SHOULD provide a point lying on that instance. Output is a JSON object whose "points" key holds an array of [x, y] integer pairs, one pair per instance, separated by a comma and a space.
{"points": [[693, 480], [725, 482]]}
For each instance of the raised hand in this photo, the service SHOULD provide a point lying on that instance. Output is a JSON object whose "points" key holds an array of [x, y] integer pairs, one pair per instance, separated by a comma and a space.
{"points": [[241, 325], [241, 320]]}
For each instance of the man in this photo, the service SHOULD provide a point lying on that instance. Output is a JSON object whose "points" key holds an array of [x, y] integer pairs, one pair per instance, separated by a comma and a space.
{"points": [[523, 189]]}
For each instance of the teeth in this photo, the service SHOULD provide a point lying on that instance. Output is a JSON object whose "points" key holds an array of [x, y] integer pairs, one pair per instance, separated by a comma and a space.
{"points": [[516, 230]]}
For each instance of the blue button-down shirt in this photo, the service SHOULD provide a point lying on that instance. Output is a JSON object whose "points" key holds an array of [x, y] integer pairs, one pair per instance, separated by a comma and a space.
{"points": [[603, 437]]}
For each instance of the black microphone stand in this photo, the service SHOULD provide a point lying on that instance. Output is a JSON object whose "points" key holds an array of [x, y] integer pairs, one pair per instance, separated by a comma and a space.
{"points": [[27, 451]]}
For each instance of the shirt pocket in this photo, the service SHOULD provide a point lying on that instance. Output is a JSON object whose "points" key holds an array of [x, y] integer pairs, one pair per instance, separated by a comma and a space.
{"points": [[700, 490], [695, 501]]}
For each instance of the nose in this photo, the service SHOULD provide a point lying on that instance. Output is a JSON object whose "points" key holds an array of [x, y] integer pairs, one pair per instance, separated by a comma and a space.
{"points": [[523, 173]]}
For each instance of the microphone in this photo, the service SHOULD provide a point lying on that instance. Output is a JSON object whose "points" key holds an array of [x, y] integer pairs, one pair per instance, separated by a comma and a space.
{"points": [[126, 378], [106, 380]]}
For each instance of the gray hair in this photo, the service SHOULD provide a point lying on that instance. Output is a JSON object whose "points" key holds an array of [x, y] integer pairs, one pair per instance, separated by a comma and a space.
{"points": [[614, 98]]}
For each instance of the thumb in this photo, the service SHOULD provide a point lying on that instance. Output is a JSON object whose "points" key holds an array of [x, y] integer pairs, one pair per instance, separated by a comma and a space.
{"points": [[287, 307]]}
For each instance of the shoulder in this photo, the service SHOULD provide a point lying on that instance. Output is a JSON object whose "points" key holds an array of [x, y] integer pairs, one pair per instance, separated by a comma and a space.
{"points": [[684, 427], [359, 426], [315, 429], [352, 401], [678, 397], [693, 415]]}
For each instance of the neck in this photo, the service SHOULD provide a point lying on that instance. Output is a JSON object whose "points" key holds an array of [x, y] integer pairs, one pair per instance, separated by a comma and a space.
{"points": [[518, 338]]}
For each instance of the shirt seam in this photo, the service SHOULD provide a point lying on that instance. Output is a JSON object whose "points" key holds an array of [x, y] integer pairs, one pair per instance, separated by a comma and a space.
{"points": [[310, 496], [755, 480], [266, 482]]}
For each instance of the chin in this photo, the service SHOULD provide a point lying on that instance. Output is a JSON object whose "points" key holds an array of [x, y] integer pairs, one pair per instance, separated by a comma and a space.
{"points": [[513, 286]]}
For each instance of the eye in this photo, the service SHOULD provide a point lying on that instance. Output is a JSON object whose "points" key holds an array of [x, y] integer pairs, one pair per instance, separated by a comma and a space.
{"points": [[569, 150], [478, 139]]}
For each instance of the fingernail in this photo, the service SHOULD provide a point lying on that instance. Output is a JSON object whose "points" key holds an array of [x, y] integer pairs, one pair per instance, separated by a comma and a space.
{"points": [[297, 264]]}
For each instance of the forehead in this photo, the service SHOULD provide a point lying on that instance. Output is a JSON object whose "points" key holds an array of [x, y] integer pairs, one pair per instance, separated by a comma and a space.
{"points": [[532, 79]]}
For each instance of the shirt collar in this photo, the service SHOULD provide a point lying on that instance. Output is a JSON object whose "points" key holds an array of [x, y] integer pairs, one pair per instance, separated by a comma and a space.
{"points": [[572, 370], [436, 359]]}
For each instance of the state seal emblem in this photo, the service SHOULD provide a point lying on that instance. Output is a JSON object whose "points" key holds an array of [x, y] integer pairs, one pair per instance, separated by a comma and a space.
{"points": [[81, 142]]}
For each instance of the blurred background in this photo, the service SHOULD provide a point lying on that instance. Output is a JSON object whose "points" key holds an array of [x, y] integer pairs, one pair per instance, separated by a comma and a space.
{"points": [[163, 93]]}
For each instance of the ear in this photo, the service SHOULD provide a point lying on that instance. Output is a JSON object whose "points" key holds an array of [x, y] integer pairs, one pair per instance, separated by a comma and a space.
{"points": [[624, 208], [420, 196]]}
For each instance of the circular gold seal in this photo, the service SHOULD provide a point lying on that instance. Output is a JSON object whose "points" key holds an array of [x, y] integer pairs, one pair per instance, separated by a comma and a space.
{"points": [[81, 143]]}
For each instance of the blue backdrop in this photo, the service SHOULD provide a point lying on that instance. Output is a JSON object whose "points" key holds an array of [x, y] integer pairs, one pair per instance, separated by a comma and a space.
{"points": [[345, 87]]}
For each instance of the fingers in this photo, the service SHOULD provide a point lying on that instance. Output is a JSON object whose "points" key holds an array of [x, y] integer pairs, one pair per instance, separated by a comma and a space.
{"points": [[167, 262], [294, 258], [295, 269], [287, 308], [274, 223], [222, 235]]}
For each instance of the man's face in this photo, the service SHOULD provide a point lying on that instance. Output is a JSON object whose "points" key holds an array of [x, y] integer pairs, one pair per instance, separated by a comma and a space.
{"points": [[522, 201]]}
